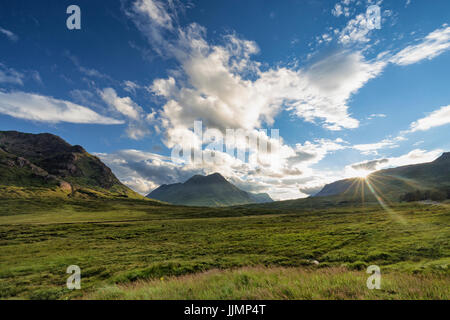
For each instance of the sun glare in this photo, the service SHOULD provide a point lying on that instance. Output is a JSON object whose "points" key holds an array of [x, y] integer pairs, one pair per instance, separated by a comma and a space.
{"points": [[363, 174]]}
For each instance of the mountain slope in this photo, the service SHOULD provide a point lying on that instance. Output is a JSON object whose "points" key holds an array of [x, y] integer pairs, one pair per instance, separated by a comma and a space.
{"points": [[394, 182], [48, 162], [391, 185], [209, 191]]}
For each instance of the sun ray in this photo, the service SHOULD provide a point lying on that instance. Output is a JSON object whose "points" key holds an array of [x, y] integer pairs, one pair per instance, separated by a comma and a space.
{"points": [[383, 203]]}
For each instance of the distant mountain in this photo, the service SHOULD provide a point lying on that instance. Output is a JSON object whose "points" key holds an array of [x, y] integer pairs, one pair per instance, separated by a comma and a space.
{"points": [[208, 191], [46, 161], [393, 183]]}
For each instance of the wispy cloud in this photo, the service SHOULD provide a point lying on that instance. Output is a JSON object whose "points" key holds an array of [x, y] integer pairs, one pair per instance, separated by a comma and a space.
{"points": [[11, 35], [90, 72], [138, 120], [433, 45], [372, 148], [413, 157], [40, 108], [437, 118], [9, 75]]}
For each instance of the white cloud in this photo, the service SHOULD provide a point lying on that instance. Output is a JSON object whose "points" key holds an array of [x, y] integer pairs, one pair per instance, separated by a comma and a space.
{"points": [[11, 36], [356, 30], [131, 86], [343, 8], [433, 45], [47, 109], [125, 105], [372, 148], [145, 171], [437, 118], [413, 157], [213, 82], [138, 126], [376, 115], [225, 87], [154, 19], [281, 178], [337, 10], [9, 75], [156, 11], [219, 95]]}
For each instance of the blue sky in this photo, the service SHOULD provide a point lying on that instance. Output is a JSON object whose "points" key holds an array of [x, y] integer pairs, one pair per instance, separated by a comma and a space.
{"points": [[347, 98]]}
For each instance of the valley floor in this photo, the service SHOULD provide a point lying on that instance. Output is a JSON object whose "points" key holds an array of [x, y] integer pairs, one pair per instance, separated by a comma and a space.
{"points": [[124, 248]]}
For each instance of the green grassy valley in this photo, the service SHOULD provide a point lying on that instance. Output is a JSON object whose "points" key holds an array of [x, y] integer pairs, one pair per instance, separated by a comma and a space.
{"points": [[61, 206], [119, 243]]}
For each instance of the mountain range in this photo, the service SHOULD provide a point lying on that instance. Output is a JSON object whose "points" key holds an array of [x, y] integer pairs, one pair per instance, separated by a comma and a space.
{"points": [[45, 165], [209, 191]]}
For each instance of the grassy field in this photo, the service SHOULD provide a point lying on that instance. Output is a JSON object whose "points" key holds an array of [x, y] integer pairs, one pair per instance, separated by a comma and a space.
{"points": [[119, 242], [276, 283]]}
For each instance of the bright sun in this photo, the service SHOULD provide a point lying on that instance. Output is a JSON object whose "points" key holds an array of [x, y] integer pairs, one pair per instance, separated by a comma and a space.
{"points": [[363, 174]]}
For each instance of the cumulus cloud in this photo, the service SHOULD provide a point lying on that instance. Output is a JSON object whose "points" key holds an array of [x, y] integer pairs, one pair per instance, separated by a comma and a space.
{"points": [[125, 106], [145, 171], [437, 118], [213, 82], [356, 30], [433, 45], [48, 109], [219, 95], [312, 152], [224, 86]]}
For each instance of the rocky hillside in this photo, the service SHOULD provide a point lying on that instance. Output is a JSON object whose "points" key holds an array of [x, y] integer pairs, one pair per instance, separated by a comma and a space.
{"points": [[47, 161]]}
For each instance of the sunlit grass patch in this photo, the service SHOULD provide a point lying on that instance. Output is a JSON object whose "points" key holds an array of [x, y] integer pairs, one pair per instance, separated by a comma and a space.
{"points": [[260, 283]]}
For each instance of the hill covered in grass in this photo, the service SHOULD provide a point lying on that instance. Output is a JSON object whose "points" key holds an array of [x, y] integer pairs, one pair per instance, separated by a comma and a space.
{"points": [[45, 164], [392, 183], [425, 181], [207, 191]]}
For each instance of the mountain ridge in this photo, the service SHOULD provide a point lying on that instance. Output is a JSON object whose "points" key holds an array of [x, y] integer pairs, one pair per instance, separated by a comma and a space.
{"points": [[210, 191], [394, 182]]}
